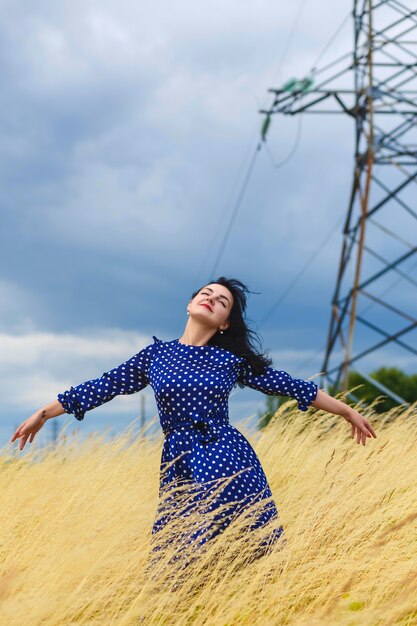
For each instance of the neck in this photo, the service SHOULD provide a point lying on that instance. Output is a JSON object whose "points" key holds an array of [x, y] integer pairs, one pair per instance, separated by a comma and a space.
{"points": [[196, 335]]}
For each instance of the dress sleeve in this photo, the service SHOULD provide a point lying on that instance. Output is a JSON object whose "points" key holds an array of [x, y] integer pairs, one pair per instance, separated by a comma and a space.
{"points": [[128, 377], [279, 383]]}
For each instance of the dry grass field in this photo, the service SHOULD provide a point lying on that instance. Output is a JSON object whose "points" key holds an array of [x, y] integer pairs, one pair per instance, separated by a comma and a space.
{"points": [[76, 522]]}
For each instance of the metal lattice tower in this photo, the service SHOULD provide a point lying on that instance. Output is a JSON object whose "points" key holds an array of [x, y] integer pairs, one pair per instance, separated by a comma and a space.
{"points": [[380, 230]]}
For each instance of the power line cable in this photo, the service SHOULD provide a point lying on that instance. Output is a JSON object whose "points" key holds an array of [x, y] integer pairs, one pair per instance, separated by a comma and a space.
{"points": [[308, 360], [285, 293], [310, 75], [302, 271], [231, 193], [257, 149], [259, 145], [332, 38], [291, 35], [236, 208], [364, 310], [292, 151]]}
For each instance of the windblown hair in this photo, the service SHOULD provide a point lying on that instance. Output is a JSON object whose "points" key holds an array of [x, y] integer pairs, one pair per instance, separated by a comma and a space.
{"points": [[239, 338]]}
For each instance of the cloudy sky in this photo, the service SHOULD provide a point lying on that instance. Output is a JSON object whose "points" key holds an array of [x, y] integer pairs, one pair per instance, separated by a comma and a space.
{"points": [[126, 133]]}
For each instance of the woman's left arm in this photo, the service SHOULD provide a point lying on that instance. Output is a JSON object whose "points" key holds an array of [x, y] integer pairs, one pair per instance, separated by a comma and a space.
{"points": [[359, 423], [278, 382]]}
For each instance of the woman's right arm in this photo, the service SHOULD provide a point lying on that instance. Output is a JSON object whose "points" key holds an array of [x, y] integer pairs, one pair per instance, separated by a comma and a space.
{"points": [[53, 409], [129, 377], [30, 427]]}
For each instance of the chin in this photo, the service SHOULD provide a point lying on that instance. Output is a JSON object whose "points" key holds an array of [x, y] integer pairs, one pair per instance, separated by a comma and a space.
{"points": [[201, 313], [201, 316]]}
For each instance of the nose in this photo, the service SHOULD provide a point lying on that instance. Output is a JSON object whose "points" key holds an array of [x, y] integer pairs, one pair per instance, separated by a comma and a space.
{"points": [[209, 302]]}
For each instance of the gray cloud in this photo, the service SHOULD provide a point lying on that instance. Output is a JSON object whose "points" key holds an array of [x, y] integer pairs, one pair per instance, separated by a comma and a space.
{"points": [[126, 131]]}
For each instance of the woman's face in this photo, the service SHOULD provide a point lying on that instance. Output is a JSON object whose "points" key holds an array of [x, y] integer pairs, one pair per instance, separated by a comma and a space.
{"points": [[212, 305]]}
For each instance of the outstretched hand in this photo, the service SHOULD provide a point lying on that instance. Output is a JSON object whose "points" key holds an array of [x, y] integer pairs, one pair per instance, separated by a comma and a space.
{"points": [[360, 425], [29, 428]]}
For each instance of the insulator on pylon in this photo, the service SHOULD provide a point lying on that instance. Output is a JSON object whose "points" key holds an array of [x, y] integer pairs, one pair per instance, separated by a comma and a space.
{"points": [[298, 85], [265, 126], [306, 84], [290, 85]]}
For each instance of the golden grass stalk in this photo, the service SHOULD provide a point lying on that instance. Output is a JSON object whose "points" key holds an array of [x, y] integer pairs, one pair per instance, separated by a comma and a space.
{"points": [[75, 532]]}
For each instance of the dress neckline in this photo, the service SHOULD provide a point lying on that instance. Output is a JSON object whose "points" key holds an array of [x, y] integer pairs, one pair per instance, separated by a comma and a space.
{"points": [[190, 345]]}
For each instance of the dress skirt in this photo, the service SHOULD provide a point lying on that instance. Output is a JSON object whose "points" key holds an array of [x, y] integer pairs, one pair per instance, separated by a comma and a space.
{"points": [[210, 477]]}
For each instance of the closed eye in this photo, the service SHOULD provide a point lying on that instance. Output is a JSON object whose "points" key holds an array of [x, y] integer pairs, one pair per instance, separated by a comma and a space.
{"points": [[204, 293]]}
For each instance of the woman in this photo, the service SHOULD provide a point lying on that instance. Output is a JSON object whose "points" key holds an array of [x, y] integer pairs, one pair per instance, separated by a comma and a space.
{"points": [[205, 460]]}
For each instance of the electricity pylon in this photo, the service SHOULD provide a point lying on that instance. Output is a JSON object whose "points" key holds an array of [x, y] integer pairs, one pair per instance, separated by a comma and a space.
{"points": [[376, 87]]}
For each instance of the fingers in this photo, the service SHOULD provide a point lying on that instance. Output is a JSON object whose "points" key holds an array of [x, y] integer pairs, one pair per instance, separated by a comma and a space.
{"points": [[24, 438], [363, 434], [19, 434], [367, 431], [23, 441], [362, 428], [16, 434], [27, 430]]}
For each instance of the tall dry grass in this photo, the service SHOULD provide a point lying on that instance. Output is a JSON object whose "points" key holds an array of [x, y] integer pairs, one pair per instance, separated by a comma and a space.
{"points": [[76, 521]]}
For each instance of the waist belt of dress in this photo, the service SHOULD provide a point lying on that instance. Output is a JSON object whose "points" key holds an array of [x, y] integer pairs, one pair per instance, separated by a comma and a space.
{"points": [[206, 423]]}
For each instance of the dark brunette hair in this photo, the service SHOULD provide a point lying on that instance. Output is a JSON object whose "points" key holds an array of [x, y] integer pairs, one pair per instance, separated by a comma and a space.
{"points": [[239, 338]]}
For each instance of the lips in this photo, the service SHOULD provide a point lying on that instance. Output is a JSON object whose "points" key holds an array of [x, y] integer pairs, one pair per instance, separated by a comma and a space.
{"points": [[206, 305]]}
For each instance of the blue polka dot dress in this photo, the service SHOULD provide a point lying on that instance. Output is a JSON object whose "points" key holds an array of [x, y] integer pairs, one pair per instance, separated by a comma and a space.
{"points": [[201, 449]]}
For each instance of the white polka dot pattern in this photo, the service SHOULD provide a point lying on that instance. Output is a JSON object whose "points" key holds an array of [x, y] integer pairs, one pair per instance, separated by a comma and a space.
{"points": [[192, 385], [277, 382]]}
